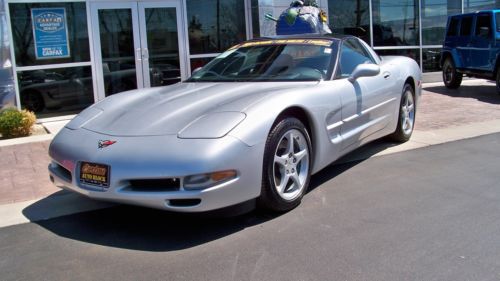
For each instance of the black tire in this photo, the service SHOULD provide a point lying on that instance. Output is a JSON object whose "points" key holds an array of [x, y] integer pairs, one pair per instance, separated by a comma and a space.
{"points": [[406, 116], [32, 101], [451, 78], [288, 172]]}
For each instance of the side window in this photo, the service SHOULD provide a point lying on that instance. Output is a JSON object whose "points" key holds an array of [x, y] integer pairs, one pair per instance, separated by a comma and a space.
{"points": [[483, 26], [466, 26], [352, 53], [453, 27]]}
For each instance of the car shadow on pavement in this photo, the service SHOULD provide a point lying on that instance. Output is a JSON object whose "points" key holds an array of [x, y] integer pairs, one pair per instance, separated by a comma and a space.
{"points": [[483, 93], [144, 229]]}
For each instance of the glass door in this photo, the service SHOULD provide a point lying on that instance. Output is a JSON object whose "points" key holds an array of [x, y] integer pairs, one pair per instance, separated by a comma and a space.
{"points": [[136, 45], [162, 49]]}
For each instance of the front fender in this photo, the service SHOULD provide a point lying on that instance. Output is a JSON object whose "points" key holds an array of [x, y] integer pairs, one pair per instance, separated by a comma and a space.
{"points": [[321, 106]]}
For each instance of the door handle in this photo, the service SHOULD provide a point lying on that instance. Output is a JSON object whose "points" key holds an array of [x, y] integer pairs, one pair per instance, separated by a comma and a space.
{"points": [[387, 75], [138, 54], [145, 54]]}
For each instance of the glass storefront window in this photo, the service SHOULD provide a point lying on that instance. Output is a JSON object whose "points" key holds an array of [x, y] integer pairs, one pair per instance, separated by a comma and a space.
{"points": [[350, 17], [255, 18], [215, 25], [54, 92], [411, 53], [434, 17], [24, 40], [7, 94], [430, 60], [478, 5], [395, 22], [199, 62]]}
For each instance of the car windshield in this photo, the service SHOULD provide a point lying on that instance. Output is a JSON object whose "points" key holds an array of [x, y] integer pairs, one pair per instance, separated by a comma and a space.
{"points": [[271, 60]]}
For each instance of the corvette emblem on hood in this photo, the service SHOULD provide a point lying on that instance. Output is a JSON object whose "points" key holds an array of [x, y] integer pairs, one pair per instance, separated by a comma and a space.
{"points": [[105, 143]]}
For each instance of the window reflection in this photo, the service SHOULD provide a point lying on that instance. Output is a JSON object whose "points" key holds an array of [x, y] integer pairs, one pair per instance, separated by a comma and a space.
{"points": [[163, 46], [395, 22], [22, 32], [477, 5], [56, 91], [430, 60], [434, 17], [199, 62], [215, 25], [350, 17]]}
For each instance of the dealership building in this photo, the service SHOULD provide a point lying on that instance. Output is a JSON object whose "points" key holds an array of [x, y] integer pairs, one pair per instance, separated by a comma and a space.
{"points": [[58, 57]]}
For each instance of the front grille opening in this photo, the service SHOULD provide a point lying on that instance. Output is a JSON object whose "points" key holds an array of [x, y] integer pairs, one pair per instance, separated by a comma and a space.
{"points": [[155, 185], [62, 172], [184, 202]]}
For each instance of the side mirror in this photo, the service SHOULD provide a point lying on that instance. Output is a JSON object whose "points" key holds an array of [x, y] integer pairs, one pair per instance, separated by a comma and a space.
{"points": [[364, 70]]}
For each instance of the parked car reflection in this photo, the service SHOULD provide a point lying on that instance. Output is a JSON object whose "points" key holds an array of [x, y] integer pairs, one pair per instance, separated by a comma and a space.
{"points": [[72, 88]]}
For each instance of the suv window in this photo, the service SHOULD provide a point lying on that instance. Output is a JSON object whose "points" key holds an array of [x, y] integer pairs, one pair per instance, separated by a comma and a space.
{"points": [[352, 54], [453, 28], [483, 25], [466, 26]]}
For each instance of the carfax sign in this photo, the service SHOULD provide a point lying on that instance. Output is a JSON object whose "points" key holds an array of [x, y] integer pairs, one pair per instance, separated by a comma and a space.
{"points": [[50, 33]]}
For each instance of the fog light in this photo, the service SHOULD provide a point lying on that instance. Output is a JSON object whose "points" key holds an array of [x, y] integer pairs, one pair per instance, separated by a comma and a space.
{"points": [[203, 181]]}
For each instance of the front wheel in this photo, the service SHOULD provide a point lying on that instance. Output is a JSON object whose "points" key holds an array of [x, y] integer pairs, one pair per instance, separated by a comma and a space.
{"points": [[451, 78], [406, 120], [287, 164]]}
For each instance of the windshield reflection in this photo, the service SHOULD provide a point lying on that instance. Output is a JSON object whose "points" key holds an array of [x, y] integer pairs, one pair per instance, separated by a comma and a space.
{"points": [[272, 62]]}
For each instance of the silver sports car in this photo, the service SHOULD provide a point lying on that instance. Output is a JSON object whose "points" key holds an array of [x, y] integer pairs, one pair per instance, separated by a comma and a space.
{"points": [[254, 123]]}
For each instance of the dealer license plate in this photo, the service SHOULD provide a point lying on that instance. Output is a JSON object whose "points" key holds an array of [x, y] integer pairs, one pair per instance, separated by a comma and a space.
{"points": [[94, 174]]}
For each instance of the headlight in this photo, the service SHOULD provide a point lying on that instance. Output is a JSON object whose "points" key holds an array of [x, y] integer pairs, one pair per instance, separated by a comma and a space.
{"points": [[84, 117], [203, 181], [212, 126]]}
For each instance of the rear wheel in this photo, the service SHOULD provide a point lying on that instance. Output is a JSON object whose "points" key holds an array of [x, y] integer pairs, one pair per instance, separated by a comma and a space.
{"points": [[451, 78], [406, 119], [287, 164]]}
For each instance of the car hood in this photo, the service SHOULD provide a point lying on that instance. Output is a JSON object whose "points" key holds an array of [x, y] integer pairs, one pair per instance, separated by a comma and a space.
{"points": [[167, 110]]}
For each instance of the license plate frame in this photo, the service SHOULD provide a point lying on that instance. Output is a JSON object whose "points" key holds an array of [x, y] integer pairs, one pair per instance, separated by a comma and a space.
{"points": [[95, 174]]}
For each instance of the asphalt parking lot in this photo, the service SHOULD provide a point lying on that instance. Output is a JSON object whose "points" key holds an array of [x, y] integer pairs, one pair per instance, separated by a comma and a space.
{"points": [[431, 213]]}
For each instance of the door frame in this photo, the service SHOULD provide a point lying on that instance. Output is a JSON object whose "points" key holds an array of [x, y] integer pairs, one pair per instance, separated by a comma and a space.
{"points": [[142, 6], [139, 38]]}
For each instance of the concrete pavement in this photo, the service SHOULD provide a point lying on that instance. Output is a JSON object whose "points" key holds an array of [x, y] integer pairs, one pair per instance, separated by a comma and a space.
{"points": [[442, 116]]}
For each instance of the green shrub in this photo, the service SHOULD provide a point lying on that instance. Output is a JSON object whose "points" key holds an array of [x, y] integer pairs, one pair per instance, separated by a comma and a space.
{"points": [[15, 123]]}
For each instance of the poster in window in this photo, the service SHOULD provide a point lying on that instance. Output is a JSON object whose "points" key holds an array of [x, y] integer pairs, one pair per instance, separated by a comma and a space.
{"points": [[50, 33]]}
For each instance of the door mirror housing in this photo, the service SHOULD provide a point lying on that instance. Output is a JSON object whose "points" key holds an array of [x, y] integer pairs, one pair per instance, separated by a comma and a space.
{"points": [[364, 70]]}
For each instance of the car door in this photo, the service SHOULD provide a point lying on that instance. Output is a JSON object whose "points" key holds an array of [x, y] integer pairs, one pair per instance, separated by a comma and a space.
{"points": [[366, 102], [481, 43], [464, 41]]}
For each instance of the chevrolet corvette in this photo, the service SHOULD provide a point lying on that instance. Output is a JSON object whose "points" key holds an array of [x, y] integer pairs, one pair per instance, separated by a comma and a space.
{"points": [[253, 124]]}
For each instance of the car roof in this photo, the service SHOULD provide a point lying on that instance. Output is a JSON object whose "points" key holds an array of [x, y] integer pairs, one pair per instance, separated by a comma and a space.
{"points": [[477, 12], [332, 37]]}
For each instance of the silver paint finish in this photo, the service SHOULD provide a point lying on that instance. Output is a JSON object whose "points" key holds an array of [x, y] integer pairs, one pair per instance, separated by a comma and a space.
{"points": [[195, 128]]}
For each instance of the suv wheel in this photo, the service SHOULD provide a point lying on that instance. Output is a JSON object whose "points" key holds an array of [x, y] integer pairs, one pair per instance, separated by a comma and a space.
{"points": [[451, 77]]}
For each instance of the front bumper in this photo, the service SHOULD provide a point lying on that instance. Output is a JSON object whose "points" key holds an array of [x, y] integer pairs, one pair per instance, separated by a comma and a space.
{"points": [[158, 157]]}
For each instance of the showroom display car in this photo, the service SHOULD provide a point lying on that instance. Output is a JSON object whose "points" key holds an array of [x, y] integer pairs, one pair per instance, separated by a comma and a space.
{"points": [[254, 123]]}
